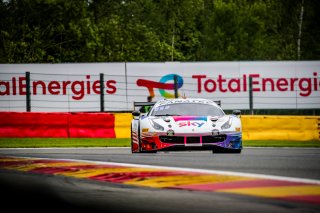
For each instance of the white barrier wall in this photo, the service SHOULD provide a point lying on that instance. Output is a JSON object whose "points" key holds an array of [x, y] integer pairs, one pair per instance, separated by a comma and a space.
{"points": [[76, 87]]}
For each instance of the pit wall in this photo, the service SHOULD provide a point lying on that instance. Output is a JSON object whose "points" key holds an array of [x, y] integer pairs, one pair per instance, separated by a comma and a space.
{"points": [[117, 125]]}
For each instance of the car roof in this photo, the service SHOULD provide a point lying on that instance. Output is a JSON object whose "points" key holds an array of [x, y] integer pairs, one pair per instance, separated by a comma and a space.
{"points": [[185, 100]]}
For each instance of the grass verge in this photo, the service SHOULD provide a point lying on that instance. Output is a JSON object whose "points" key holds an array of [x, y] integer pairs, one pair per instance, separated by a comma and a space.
{"points": [[63, 142], [281, 143], [123, 142]]}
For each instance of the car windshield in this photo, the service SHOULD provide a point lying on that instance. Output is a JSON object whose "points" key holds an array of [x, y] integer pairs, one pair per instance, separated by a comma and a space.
{"points": [[191, 109]]}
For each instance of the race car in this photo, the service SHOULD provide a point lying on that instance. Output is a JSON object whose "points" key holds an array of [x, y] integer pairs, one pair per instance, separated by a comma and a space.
{"points": [[185, 124]]}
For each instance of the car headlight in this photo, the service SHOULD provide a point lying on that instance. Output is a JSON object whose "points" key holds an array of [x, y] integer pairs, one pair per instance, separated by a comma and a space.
{"points": [[227, 124], [156, 126]]}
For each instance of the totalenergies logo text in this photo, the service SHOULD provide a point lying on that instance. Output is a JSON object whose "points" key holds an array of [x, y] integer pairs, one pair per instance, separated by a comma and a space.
{"points": [[162, 85]]}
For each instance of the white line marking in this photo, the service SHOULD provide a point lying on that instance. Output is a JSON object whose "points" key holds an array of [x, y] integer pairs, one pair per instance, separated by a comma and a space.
{"points": [[203, 171]]}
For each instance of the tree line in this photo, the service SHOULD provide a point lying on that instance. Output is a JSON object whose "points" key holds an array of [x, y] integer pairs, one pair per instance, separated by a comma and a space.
{"points": [[60, 31]]}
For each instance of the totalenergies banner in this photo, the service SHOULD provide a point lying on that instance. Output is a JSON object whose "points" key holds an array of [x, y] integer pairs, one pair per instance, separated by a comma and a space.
{"points": [[62, 87], [76, 87]]}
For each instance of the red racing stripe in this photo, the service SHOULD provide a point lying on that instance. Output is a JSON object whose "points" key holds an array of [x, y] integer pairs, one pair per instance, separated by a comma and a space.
{"points": [[54, 170], [185, 180], [126, 176]]}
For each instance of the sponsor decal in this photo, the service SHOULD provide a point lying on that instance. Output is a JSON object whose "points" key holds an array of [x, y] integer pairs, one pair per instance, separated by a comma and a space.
{"points": [[190, 123], [259, 84], [162, 85], [170, 132], [189, 118], [205, 84], [215, 132], [78, 88]]}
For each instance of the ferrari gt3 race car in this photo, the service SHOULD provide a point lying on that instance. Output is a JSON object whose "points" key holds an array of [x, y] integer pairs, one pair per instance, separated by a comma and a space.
{"points": [[185, 124]]}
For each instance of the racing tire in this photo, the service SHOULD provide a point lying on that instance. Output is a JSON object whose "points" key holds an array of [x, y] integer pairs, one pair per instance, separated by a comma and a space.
{"points": [[236, 151], [226, 151]]}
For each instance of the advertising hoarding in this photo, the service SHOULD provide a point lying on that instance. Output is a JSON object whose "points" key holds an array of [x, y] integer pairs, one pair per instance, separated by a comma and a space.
{"points": [[76, 86]]}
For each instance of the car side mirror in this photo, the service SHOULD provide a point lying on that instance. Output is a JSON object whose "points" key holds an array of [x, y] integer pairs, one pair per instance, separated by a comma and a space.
{"points": [[236, 112], [136, 113]]}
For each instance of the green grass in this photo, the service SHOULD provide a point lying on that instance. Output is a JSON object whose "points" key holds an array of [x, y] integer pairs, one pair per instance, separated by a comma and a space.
{"points": [[124, 142], [281, 143], [63, 142]]}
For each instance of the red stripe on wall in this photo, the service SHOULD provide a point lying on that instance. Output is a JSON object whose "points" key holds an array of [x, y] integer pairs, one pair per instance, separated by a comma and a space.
{"points": [[91, 125], [56, 125], [33, 124]]}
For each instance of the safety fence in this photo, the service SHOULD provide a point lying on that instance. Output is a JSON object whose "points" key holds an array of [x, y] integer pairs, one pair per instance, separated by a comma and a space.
{"points": [[117, 125], [38, 92]]}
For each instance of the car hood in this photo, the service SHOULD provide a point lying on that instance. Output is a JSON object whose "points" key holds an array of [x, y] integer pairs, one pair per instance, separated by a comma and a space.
{"points": [[191, 124]]}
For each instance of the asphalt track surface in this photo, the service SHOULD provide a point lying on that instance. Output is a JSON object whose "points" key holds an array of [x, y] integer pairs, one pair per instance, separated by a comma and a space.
{"points": [[44, 193]]}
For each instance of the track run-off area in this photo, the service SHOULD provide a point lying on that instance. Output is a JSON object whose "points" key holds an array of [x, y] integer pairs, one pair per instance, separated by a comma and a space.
{"points": [[113, 179]]}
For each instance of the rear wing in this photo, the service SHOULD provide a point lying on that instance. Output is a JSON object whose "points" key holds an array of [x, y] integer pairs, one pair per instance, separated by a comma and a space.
{"points": [[218, 103]]}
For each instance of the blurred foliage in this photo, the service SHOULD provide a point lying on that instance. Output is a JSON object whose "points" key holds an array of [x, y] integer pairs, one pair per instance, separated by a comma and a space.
{"points": [[55, 31]]}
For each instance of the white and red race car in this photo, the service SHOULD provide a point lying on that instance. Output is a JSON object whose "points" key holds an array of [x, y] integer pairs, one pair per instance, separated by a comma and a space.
{"points": [[185, 124]]}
